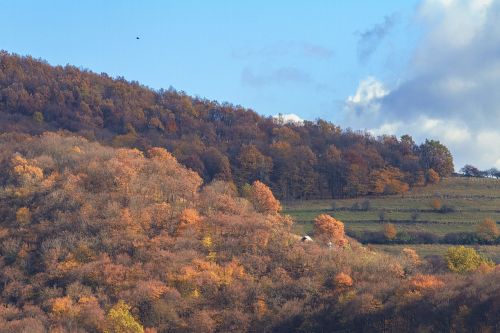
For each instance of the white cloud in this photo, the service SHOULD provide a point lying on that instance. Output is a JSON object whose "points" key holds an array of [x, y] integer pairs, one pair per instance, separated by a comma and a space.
{"points": [[449, 90], [455, 85], [367, 96], [449, 132], [386, 128], [455, 22], [289, 118]]}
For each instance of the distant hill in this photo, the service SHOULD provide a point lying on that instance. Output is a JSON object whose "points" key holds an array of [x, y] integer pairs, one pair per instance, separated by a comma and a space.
{"points": [[217, 140]]}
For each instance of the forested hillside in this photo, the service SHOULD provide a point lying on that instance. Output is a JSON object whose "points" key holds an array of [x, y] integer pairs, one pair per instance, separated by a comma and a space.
{"points": [[218, 141], [102, 239]]}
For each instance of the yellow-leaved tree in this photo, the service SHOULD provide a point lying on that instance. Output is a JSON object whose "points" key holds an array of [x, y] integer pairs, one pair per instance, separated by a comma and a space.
{"points": [[463, 259], [120, 320]]}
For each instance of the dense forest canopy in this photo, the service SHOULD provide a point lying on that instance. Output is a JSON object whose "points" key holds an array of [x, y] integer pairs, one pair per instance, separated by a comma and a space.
{"points": [[218, 141], [102, 239]]}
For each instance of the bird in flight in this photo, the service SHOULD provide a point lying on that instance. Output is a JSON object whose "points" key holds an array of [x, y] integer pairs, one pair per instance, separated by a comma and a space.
{"points": [[137, 38]]}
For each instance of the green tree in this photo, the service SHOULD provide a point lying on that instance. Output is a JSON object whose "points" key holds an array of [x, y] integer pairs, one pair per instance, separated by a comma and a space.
{"points": [[435, 155]]}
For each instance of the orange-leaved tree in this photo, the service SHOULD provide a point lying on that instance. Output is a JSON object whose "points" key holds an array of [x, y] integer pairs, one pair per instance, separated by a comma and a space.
{"points": [[263, 199], [390, 231], [433, 177], [488, 230], [329, 229]]}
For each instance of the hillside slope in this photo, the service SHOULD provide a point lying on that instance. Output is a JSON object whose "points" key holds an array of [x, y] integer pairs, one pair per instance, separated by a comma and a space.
{"points": [[218, 141], [98, 239]]}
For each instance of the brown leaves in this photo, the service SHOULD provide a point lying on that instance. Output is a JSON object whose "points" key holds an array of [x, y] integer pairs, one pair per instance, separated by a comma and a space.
{"points": [[23, 216], [390, 231], [189, 218], [342, 280], [263, 199], [488, 230], [330, 230], [389, 180], [423, 281], [433, 177]]}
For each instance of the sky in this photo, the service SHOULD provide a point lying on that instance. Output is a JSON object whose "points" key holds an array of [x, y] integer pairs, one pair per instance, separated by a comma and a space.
{"points": [[428, 68]]}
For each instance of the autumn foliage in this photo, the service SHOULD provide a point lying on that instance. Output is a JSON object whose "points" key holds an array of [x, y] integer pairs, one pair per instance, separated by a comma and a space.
{"points": [[463, 259], [263, 199], [343, 280], [390, 231], [433, 177], [126, 237], [488, 230], [329, 229], [219, 141], [422, 281]]}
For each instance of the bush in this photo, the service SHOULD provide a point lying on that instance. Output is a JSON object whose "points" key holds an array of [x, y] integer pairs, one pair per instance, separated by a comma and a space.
{"points": [[446, 209], [390, 231], [415, 215], [365, 205], [381, 216], [488, 230], [460, 238], [432, 177], [436, 204], [463, 259]]}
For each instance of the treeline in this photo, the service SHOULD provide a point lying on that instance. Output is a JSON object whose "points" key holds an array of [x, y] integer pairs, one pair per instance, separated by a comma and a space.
{"points": [[422, 237], [102, 239], [471, 171], [217, 140]]}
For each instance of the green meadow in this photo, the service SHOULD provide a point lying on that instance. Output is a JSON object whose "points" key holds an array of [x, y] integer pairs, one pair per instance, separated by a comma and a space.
{"points": [[467, 202]]}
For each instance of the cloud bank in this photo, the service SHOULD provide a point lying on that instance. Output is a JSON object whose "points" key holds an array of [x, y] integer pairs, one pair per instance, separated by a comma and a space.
{"points": [[450, 88]]}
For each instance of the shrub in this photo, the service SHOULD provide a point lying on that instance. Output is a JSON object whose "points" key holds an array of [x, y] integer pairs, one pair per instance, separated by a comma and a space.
{"points": [[23, 216], [390, 231], [436, 204], [460, 238], [462, 259], [343, 280], [432, 176], [446, 209], [422, 281], [488, 230], [381, 216], [38, 117]]}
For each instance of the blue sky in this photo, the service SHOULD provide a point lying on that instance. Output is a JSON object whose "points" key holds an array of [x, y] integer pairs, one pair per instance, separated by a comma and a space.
{"points": [[273, 56], [368, 65]]}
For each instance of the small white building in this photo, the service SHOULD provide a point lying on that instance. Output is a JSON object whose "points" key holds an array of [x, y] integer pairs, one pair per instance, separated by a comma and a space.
{"points": [[306, 238]]}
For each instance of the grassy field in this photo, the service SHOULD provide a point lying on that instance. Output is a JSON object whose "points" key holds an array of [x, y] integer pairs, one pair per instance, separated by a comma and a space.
{"points": [[490, 251], [472, 200]]}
